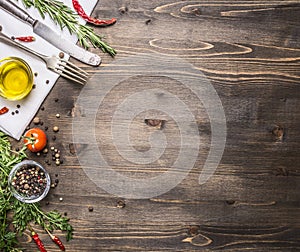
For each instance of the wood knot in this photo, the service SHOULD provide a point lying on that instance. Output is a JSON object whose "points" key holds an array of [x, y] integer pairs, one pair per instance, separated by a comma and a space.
{"points": [[123, 9], [282, 172], [196, 11], [230, 202], [157, 123], [72, 148], [278, 132], [193, 230], [121, 204]]}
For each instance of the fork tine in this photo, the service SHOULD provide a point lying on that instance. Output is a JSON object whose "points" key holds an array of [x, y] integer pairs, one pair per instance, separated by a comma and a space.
{"points": [[64, 67], [71, 74], [68, 63], [67, 76]]}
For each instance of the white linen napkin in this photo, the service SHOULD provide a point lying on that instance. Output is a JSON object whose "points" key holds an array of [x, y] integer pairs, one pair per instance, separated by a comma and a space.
{"points": [[24, 110]]}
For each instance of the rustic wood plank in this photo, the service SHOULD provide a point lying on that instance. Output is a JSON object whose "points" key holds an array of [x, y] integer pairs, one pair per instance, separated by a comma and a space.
{"points": [[249, 50]]}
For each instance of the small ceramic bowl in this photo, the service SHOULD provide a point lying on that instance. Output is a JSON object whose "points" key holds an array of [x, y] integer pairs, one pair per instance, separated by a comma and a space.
{"points": [[29, 182]]}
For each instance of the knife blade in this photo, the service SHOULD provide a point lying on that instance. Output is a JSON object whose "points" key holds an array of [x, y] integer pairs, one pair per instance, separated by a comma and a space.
{"points": [[47, 33]]}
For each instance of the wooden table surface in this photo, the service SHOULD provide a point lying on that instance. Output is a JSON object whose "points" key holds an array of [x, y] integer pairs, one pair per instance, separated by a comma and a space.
{"points": [[249, 51]]}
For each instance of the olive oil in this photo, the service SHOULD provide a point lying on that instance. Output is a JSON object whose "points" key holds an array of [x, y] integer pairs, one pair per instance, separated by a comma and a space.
{"points": [[16, 78]]}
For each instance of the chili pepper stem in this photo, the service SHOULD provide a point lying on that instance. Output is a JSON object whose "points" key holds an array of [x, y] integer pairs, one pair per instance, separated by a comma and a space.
{"points": [[30, 228], [51, 235]]}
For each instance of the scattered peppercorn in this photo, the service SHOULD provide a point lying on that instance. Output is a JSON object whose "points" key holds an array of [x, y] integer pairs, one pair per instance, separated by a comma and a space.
{"points": [[91, 209], [56, 100], [46, 128], [35, 74], [47, 81], [54, 138], [34, 86], [17, 111], [18, 106], [61, 55], [36, 120]]}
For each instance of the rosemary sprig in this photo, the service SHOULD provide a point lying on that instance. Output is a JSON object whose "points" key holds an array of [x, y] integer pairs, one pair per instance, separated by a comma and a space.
{"points": [[65, 17], [22, 213]]}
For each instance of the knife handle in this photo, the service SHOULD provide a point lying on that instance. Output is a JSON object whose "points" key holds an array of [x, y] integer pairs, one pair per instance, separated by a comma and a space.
{"points": [[14, 9]]}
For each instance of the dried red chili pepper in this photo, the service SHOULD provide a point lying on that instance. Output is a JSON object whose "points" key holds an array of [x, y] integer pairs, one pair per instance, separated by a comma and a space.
{"points": [[26, 39], [38, 241], [95, 21], [4, 110], [56, 240]]}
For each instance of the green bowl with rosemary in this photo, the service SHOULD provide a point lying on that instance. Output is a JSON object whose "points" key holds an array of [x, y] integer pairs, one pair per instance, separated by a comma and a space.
{"points": [[29, 182]]}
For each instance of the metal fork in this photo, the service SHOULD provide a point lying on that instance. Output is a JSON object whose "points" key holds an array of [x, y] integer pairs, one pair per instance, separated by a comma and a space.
{"points": [[57, 65]]}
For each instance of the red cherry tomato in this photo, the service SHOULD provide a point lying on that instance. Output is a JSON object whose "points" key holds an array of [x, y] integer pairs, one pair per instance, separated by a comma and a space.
{"points": [[35, 139]]}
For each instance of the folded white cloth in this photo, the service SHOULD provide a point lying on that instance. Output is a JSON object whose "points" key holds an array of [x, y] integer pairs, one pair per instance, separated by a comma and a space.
{"points": [[14, 124]]}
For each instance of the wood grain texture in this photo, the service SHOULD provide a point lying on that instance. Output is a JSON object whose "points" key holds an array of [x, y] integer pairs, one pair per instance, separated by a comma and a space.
{"points": [[249, 50]]}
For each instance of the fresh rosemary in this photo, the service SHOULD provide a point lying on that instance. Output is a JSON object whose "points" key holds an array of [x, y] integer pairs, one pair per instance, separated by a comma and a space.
{"points": [[19, 214], [66, 17]]}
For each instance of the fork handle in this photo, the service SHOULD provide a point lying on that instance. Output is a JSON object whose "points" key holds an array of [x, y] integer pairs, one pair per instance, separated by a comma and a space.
{"points": [[10, 41], [15, 10]]}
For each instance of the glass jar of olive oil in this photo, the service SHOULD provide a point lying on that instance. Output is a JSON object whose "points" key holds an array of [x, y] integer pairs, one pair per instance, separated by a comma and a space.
{"points": [[16, 78]]}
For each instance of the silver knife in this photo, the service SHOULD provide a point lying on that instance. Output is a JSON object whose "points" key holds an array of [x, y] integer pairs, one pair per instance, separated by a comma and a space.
{"points": [[50, 35]]}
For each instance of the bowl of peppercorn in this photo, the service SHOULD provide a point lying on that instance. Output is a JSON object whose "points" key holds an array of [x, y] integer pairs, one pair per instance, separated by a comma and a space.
{"points": [[29, 182]]}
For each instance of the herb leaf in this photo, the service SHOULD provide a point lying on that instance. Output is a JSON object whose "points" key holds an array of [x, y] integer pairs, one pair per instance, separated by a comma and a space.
{"points": [[23, 214], [64, 16]]}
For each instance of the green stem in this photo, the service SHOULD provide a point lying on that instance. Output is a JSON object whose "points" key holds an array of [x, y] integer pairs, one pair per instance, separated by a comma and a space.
{"points": [[5, 173], [43, 214]]}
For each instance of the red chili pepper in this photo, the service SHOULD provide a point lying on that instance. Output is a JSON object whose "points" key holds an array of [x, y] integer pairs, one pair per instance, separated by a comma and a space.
{"points": [[4, 110], [57, 241], [95, 21], [38, 241], [26, 39]]}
